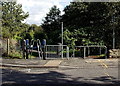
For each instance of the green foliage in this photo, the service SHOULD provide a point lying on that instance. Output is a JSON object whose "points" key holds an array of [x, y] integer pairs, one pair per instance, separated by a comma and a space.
{"points": [[69, 39], [39, 33], [94, 22], [82, 36], [12, 17], [27, 36], [17, 37]]}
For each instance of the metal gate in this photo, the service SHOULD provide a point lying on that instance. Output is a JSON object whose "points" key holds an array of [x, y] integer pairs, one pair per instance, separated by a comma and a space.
{"points": [[56, 51]]}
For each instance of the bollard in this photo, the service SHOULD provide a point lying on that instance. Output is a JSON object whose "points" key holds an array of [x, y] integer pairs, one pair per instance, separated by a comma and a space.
{"points": [[84, 52], [67, 52]]}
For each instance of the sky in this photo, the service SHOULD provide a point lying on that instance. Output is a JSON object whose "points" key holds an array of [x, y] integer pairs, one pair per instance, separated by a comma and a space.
{"points": [[38, 8]]}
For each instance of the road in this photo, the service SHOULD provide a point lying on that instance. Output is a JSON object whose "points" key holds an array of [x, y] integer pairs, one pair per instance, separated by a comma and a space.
{"points": [[72, 72]]}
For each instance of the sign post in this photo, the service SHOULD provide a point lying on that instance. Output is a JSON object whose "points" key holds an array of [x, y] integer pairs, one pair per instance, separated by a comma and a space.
{"points": [[62, 39]]}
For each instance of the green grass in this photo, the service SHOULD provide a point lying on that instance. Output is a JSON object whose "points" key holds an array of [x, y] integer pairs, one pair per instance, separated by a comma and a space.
{"points": [[13, 55]]}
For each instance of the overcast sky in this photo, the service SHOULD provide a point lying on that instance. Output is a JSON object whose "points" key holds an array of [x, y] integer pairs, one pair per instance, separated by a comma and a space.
{"points": [[38, 8]]}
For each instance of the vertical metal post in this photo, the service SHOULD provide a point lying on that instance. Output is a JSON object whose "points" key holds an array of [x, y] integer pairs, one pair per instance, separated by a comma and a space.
{"points": [[39, 48], [67, 52], [113, 38], [62, 39], [88, 50], [100, 51], [62, 32], [39, 51], [84, 52], [46, 51], [8, 46], [113, 25], [106, 52]]}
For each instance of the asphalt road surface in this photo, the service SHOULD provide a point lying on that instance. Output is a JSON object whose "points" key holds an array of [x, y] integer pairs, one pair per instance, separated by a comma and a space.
{"points": [[75, 72]]}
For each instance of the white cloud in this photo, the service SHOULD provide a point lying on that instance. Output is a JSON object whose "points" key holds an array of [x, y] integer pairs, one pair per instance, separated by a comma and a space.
{"points": [[38, 8]]}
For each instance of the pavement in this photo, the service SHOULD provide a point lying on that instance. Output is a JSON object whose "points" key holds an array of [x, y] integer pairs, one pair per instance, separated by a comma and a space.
{"points": [[30, 63], [53, 63], [72, 72]]}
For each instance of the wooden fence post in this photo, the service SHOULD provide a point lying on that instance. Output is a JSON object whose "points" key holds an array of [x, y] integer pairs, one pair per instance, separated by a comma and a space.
{"points": [[8, 42]]}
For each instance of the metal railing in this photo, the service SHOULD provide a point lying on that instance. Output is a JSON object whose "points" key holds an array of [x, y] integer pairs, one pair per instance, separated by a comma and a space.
{"points": [[56, 51], [85, 51]]}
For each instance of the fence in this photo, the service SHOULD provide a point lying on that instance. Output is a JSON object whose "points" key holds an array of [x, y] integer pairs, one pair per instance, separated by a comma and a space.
{"points": [[56, 51], [3, 46], [90, 51], [13, 49]]}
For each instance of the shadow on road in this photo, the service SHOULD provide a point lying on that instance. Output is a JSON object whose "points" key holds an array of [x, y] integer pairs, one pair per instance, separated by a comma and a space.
{"points": [[52, 78]]}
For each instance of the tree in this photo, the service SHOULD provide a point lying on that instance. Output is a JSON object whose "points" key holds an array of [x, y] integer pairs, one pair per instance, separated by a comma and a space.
{"points": [[38, 32], [69, 38], [94, 19], [12, 17], [52, 26]]}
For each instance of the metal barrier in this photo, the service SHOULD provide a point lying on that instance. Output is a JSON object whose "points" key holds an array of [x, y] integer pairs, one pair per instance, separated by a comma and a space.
{"points": [[89, 51], [38, 48], [56, 51]]}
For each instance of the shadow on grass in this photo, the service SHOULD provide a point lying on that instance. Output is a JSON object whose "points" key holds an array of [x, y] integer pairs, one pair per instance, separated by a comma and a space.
{"points": [[52, 78]]}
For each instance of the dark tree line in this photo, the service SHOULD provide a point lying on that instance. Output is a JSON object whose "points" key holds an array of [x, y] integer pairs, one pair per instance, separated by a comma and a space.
{"points": [[85, 23]]}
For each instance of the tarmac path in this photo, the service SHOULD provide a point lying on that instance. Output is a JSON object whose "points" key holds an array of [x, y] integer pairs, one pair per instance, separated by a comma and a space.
{"points": [[73, 72]]}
